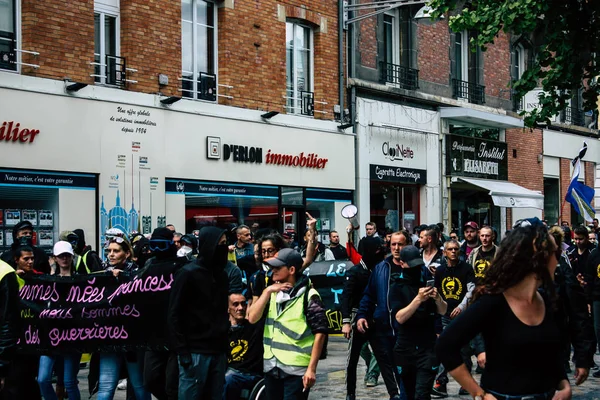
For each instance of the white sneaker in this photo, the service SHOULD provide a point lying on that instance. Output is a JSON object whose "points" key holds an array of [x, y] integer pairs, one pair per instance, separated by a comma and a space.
{"points": [[122, 385]]}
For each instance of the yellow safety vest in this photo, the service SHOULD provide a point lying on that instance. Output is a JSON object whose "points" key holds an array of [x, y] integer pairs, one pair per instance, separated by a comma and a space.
{"points": [[84, 257], [288, 336], [6, 269]]}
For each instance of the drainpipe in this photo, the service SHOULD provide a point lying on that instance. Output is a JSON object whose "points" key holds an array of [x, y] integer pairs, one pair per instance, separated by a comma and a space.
{"points": [[341, 56]]}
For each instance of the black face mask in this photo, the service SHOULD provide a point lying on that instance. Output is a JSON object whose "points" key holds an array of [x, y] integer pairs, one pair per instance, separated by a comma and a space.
{"points": [[221, 254], [413, 273], [25, 241]]}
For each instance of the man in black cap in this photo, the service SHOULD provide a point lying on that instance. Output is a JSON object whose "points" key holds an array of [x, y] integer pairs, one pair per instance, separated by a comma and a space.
{"points": [[161, 371], [198, 318], [87, 260], [22, 236], [414, 304]]}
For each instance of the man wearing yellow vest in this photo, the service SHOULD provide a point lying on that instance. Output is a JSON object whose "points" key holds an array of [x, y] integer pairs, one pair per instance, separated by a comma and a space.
{"points": [[295, 328]]}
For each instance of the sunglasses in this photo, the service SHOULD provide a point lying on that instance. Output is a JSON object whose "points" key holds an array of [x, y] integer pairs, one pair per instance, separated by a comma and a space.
{"points": [[116, 239], [452, 249], [160, 244], [269, 251]]}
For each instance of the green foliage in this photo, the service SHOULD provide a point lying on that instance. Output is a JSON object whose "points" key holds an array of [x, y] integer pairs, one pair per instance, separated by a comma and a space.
{"points": [[566, 39]]}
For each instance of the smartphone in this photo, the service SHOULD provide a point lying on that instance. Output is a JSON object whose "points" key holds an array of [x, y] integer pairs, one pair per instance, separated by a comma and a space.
{"points": [[430, 283]]}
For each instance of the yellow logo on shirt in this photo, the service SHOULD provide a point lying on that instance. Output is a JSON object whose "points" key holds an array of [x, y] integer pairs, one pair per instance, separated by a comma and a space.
{"points": [[238, 349], [481, 267], [598, 270], [452, 288]]}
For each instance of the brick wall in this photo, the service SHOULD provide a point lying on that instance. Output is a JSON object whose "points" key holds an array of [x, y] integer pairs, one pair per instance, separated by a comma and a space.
{"points": [[433, 55], [496, 64], [524, 169], [151, 43], [252, 52], [63, 34], [565, 180]]}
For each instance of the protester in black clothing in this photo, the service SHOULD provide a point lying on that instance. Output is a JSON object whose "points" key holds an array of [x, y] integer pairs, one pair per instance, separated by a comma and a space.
{"points": [[338, 251], [22, 234], [357, 278], [481, 257], [414, 306], [87, 260], [245, 357], [431, 253], [517, 323], [161, 371], [579, 252], [198, 321], [572, 314]]}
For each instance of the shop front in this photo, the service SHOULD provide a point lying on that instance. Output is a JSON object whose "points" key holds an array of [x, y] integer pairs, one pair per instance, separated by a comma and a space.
{"points": [[479, 188], [398, 167]]}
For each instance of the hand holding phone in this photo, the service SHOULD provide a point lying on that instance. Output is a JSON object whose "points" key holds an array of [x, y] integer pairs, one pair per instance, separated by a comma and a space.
{"points": [[430, 283]]}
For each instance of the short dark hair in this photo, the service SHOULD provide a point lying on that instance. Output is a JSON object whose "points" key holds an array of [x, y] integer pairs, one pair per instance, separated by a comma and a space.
{"points": [[373, 224], [332, 232], [595, 220], [20, 250], [581, 230]]}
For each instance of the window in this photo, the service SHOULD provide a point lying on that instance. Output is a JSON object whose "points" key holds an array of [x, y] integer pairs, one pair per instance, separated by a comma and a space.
{"points": [[396, 61], [198, 49], [299, 71], [461, 50], [466, 72], [517, 67], [8, 34], [390, 53], [109, 68]]}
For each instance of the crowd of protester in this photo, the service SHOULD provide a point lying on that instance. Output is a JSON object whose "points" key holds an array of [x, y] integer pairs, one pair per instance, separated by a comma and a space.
{"points": [[416, 306]]}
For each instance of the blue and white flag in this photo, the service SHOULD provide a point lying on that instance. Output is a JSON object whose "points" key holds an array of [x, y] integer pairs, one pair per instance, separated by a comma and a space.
{"points": [[579, 195]]}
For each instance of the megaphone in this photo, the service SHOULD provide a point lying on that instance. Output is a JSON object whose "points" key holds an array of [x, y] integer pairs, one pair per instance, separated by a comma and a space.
{"points": [[350, 212]]}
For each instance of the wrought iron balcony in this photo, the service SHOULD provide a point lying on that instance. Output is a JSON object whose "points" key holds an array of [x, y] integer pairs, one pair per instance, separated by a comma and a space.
{"points": [[205, 88], [407, 78], [573, 116], [473, 92], [111, 71]]}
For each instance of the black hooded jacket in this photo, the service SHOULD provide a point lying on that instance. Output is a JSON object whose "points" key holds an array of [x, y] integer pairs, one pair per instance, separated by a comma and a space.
{"points": [[40, 258], [198, 309]]}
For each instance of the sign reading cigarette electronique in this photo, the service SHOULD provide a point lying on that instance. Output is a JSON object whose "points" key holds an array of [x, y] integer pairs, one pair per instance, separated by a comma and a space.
{"points": [[479, 158]]}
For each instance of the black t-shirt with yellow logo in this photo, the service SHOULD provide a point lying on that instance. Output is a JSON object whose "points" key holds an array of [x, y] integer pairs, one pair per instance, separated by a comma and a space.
{"points": [[451, 283], [482, 263], [246, 348]]}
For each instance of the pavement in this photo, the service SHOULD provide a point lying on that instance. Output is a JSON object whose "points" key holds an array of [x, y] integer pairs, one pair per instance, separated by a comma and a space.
{"points": [[331, 380]]}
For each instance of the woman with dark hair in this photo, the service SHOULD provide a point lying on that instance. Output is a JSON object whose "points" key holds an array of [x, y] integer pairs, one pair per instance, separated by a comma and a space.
{"points": [[516, 321]]}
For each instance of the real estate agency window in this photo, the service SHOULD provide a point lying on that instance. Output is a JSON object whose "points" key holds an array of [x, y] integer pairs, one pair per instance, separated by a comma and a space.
{"points": [[198, 50], [8, 34], [108, 66], [299, 68]]}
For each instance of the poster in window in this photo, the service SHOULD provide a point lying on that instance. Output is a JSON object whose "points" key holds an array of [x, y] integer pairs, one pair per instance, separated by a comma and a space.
{"points": [[1, 238], [12, 216], [325, 224], [46, 218], [46, 237], [1, 217], [31, 216], [9, 237]]}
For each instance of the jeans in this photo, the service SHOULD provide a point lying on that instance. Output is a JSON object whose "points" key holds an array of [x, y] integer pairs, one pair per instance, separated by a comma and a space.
{"points": [[417, 366], [383, 348], [285, 387], [71, 369], [110, 367], [236, 382], [465, 352], [204, 379], [359, 346], [161, 374]]}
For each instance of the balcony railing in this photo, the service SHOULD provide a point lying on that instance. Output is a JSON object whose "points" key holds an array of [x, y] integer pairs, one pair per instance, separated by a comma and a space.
{"points": [[9, 52], [111, 71], [205, 87], [574, 116], [407, 78], [472, 92]]}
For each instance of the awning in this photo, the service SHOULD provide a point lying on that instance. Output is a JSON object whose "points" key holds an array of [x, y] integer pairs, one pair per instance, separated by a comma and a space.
{"points": [[506, 194], [482, 118]]}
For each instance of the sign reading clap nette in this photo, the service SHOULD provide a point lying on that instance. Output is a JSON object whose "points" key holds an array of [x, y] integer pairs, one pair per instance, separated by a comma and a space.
{"points": [[478, 158]]}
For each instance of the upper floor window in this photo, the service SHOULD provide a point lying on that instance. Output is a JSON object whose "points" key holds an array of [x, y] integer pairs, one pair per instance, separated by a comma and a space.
{"points": [[8, 34], [391, 55], [466, 73], [396, 64], [198, 49], [518, 62], [461, 55], [109, 67], [299, 69]]}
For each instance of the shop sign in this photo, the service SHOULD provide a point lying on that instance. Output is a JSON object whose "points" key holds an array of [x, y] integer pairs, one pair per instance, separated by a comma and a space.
{"points": [[397, 174], [479, 158], [219, 189], [250, 154], [12, 132], [397, 152], [46, 179]]}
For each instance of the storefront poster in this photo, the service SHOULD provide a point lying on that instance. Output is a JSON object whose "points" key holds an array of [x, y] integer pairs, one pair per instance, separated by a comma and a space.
{"points": [[45, 237], [474, 157], [397, 174], [13, 217], [216, 189], [31, 216], [9, 237], [46, 218]]}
